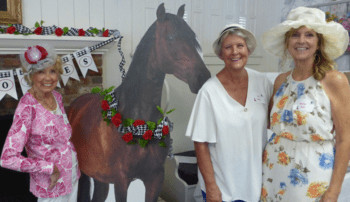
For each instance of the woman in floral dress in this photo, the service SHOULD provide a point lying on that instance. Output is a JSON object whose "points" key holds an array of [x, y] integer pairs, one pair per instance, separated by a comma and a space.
{"points": [[307, 156], [40, 125]]}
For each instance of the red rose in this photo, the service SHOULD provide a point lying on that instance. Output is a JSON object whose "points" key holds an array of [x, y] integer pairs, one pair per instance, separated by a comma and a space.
{"points": [[11, 30], [59, 31], [38, 30], [117, 119], [106, 33], [81, 32], [165, 130], [148, 135], [127, 137], [104, 105], [139, 122]]}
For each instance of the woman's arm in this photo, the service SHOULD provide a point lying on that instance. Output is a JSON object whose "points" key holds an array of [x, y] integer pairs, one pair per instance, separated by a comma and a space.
{"points": [[337, 88], [206, 168], [16, 139], [277, 84]]}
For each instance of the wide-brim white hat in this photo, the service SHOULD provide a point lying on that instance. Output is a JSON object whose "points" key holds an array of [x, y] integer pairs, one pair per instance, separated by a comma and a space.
{"points": [[250, 38], [335, 36]]}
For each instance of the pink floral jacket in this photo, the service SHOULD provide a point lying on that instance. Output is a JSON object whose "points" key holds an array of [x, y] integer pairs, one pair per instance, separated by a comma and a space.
{"points": [[46, 138]]}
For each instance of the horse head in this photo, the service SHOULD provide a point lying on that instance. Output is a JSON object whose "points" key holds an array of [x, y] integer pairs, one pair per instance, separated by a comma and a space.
{"points": [[177, 50]]}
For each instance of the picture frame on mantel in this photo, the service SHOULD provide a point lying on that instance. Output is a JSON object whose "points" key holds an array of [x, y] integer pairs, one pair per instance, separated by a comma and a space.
{"points": [[10, 12]]}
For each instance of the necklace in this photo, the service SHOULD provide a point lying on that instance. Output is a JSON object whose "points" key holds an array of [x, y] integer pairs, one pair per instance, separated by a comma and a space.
{"points": [[48, 103]]}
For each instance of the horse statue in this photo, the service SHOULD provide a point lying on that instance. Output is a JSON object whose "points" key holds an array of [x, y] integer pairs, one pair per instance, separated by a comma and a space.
{"points": [[168, 47]]}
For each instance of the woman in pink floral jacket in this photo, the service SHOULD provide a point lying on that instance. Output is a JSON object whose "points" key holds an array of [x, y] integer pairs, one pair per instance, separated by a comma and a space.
{"points": [[40, 125]]}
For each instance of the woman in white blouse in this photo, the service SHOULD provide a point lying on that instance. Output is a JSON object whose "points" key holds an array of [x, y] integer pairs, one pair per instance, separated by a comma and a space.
{"points": [[229, 120]]}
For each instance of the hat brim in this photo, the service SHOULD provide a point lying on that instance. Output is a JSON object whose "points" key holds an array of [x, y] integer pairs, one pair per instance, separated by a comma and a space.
{"points": [[335, 36], [250, 37]]}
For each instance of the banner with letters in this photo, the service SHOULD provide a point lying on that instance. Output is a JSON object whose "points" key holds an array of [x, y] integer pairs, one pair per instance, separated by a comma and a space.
{"points": [[83, 58]]}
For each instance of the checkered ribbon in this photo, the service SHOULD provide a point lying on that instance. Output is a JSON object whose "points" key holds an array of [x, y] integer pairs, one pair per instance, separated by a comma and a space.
{"points": [[122, 62], [140, 129], [72, 32], [22, 29], [49, 30]]}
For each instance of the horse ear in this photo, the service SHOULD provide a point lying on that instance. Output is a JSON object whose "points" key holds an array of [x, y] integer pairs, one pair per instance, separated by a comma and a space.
{"points": [[181, 11], [161, 12]]}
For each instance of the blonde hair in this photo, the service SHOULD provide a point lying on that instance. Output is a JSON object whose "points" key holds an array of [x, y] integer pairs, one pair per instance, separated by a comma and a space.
{"points": [[322, 62], [29, 77], [249, 43]]}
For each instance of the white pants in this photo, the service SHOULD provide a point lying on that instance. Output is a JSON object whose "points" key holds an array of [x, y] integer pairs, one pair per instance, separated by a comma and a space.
{"points": [[71, 197]]}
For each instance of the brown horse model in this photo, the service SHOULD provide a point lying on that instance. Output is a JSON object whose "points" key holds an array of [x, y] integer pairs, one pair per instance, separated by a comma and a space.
{"points": [[168, 47]]}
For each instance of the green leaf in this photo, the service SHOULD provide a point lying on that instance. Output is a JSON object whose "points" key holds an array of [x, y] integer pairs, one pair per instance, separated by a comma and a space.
{"points": [[37, 24], [160, 110], [128, 122], [168, 112], [110, 89], [143, 143], [65, 30], [2, 30], [162, 144], [151, 125], [104, 113], [94, 31], [41, 22], [108, 97], [114, 112], [96, 90], [159, 121]]}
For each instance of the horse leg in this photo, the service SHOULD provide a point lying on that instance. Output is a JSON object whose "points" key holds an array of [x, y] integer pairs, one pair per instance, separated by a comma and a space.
{"points": [[153, 184], [100, 191], [121, 189], [84, 188]]}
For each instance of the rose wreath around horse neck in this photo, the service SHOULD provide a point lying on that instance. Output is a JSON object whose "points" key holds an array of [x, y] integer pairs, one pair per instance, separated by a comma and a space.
{"points": [[134, 131]]}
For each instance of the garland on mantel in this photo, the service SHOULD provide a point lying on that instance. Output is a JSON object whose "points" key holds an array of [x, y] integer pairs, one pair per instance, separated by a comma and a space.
{"points": [[39, 29]]}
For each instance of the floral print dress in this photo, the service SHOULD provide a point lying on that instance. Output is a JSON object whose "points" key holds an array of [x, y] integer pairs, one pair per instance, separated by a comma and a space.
{"points": [[298, 159]]}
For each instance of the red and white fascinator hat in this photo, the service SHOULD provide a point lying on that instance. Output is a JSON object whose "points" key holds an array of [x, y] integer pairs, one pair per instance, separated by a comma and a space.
{"points": [[38, 57]]}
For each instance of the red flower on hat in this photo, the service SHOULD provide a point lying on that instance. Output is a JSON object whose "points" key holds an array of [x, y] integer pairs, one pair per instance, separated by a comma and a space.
{"points": [[81, 32], [38, 30], [106, 33], [104, 105], [59, 31], [32, 53], [11, 30], [147, 135]]}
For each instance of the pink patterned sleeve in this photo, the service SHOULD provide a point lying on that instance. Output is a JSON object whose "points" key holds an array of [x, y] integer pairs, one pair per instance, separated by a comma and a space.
{"points": [[17, 138]]}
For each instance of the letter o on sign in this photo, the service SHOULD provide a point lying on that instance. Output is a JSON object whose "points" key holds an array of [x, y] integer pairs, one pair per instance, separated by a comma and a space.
{"points": [[6, 85]]}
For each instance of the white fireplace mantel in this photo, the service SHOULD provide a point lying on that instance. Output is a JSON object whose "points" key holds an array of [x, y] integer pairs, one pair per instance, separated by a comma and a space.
{"points": [[14, 44]]}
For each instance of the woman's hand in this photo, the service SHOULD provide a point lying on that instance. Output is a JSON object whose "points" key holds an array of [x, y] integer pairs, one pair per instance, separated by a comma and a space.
{"points": [[54, 177], [213, 194]]}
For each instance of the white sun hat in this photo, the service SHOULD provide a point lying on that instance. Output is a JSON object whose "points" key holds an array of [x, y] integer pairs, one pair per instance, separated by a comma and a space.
{"points": [[250, 40], [335, 36], [38, 57]]}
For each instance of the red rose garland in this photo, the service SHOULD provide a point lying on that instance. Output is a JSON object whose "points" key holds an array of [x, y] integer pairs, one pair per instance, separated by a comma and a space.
{"points": [[116, 119], [11, 30], [38, 30], [81, 32], [104, 105], [59, 31]]}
